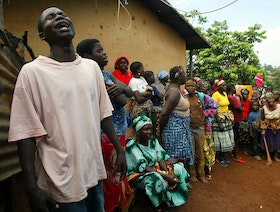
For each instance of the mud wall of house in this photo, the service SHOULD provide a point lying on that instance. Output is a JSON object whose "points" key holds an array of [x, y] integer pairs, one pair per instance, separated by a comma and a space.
{"points": [[144, 39], [138, 34]]}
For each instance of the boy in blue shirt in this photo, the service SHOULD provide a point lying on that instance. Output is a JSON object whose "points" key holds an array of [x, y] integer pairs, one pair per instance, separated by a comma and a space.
{"points": [[254, 128], [157, 99]]}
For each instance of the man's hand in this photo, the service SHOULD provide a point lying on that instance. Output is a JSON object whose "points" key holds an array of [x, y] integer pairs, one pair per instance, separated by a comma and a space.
{"points": [[108, 128], [221, 127], [39, 200], [113, 90], [171, 180], [121, 162]]}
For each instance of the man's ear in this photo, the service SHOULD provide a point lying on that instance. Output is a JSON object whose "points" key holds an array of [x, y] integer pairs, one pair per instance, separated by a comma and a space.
{"points": [[86, 55], [41, 35]]}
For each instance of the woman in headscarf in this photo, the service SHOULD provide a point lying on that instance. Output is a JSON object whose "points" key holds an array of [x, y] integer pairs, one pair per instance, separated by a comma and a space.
{"points": [[210, 109], [162, 81], [270, 116], [122, 74], [121, 70], [197, 118], [150, 168], [222, 124]]}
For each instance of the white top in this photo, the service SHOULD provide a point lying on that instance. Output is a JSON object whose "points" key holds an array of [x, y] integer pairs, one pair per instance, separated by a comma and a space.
{"points": [[61, 105], [275, 114], [138, 84]]}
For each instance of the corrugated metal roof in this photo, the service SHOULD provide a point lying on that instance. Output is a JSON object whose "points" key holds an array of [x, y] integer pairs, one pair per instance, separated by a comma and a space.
{"points": [[9, 69], [169, 15]]}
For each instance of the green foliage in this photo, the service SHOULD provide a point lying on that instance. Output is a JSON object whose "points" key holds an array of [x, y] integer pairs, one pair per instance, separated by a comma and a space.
{"points": [[269, 68], [272, 76], [231, 55], [195, 17], [275, 80]]}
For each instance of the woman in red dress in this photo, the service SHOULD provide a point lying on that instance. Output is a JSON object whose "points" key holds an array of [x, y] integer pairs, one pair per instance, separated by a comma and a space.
{"points": [[244, 127], [121, 70]]}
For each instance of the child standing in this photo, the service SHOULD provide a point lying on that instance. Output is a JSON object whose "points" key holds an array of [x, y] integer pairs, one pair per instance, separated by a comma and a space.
{"points": [[157, 100], [254, 128]]}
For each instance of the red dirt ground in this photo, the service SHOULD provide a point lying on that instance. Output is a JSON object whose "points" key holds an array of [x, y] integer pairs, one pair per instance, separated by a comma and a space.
{"points": [[252, 186]]}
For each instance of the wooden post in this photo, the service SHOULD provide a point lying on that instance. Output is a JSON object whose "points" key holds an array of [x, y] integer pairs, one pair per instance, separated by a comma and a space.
{"points": [[1, 15], [191, 63]]}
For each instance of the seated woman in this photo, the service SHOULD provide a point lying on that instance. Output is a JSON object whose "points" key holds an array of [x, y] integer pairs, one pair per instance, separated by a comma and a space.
{"points": [[150, 169]]}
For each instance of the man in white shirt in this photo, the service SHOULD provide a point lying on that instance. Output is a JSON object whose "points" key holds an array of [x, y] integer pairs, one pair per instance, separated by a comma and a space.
{"points": [[59, 106]]}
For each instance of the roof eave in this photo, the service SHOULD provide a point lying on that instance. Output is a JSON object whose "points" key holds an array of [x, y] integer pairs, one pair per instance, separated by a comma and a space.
{"points": [[170, 15]]}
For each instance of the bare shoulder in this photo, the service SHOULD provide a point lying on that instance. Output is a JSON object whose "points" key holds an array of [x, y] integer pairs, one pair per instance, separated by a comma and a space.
{"points": [[172, 93]]}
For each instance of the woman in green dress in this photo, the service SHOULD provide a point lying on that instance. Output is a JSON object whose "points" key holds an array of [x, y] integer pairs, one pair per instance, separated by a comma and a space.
{"points": [[150, 169]]}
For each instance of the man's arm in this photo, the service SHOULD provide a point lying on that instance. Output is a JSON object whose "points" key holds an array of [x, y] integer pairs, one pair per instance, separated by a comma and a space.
{"points": [[26, 151], [108, 129], [38, 199], [125, 89], [118, 92], [115, 94]]}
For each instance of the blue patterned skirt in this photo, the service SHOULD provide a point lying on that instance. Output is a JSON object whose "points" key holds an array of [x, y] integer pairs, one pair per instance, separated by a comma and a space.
{"points": [[176, 138]]}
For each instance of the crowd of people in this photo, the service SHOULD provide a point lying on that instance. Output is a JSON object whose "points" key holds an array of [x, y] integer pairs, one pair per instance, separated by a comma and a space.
{"points": [[86, 137]]}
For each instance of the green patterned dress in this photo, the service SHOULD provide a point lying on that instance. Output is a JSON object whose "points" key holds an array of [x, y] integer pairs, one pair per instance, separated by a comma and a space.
{"points": [[139, 157]]}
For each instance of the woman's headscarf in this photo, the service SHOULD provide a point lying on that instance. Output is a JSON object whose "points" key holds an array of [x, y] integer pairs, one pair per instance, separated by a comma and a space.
{"points": [[217, 83], [118, 60], [220, 81], [245, 91], [268, 96], [161, 75], [140, 122], [197, 79], [259, 80]]}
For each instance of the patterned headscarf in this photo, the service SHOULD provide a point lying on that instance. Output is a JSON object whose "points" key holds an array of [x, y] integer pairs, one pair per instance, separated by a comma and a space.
{"points": [[259, 80], [140, 122], [245, 91], [220, 81], [161, 75], [217, 83], [197, 79], [190, 80], [269, 95]]}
